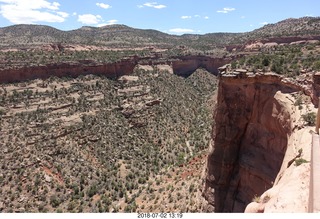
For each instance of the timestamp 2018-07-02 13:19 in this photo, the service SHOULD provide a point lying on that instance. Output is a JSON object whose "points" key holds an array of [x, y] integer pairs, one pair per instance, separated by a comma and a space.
{"points": [[159, 215]]}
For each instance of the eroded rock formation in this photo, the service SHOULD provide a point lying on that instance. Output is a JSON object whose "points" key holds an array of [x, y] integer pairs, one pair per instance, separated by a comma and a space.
{"points": [[185, 66], [182, 66], [253, 124], [67, 70]]}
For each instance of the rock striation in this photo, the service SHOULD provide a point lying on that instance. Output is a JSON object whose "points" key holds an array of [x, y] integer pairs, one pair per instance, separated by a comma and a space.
{"points": [[111, 70], [186, 65], [254, 122], [183, 66]]}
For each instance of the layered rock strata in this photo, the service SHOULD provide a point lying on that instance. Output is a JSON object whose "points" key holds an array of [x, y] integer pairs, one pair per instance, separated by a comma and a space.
{"points": [[254, 122], [183, 66], [116, 69]]}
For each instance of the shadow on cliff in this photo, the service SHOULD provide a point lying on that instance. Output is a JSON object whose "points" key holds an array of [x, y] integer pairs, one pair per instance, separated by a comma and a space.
{"points": [[249, 142], [186, 65], [182, 66]]}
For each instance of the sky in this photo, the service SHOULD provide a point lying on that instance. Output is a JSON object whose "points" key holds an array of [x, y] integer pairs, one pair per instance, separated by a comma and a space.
{"points": [[169, 16]]}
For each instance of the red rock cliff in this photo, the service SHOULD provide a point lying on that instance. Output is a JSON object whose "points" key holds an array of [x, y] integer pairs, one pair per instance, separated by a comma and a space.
{"points": [[188, 64], [182, 66], [249, 140], [65, 69]]}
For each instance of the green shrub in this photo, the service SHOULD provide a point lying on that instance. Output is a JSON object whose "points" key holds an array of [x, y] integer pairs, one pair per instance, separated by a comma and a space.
{"points": [[300, 161], [298, 101], [54, 201], [309, 118], [92, 191], [316, 65], [266, 199]]}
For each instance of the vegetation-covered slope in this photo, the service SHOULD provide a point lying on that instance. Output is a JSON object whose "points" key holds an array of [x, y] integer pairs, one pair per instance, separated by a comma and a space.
{"points": [[92, 144]]}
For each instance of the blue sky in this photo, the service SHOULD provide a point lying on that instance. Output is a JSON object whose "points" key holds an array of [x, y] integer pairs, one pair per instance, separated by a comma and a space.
{"points": [[170, 16]]}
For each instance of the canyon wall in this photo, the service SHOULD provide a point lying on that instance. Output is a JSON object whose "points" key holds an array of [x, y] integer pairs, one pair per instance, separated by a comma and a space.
{"points": [[186, 65], [253, 124], [67, 70], [183, 66]]}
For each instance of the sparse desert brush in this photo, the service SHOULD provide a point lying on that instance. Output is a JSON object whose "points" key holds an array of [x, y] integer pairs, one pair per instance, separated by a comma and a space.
{"points": [[76, 133], [309, 118]]}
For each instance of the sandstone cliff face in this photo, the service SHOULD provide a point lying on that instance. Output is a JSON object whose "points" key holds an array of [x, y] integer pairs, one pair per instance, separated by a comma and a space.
{"points": [[185, 66], [254, 120], [182, 66], [67, 70], [290, 191]]}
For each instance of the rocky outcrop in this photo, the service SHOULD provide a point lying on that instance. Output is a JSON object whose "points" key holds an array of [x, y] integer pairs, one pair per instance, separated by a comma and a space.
{"points": [[183, 66], [315, 89], [273, 41], [253, 124], [67, 70], [292, 189]]}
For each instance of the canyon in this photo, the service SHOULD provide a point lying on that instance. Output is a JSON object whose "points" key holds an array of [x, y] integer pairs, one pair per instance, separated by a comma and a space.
{"points": [[254, 136], [165, 124]]}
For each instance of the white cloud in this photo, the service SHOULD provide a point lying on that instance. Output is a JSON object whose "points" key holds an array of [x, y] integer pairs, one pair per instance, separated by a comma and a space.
{"points": [[181, 30], [74, 13], [185, 17], [243, 17], [31, 11], [102, 5], [264, 23], [110, 22], [63, 14], [195, 16], [90, 19], [226, 10], [152, 5]]}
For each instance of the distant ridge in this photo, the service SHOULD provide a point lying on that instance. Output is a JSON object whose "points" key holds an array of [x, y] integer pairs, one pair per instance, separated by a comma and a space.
{"points": [[125, 36]]}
